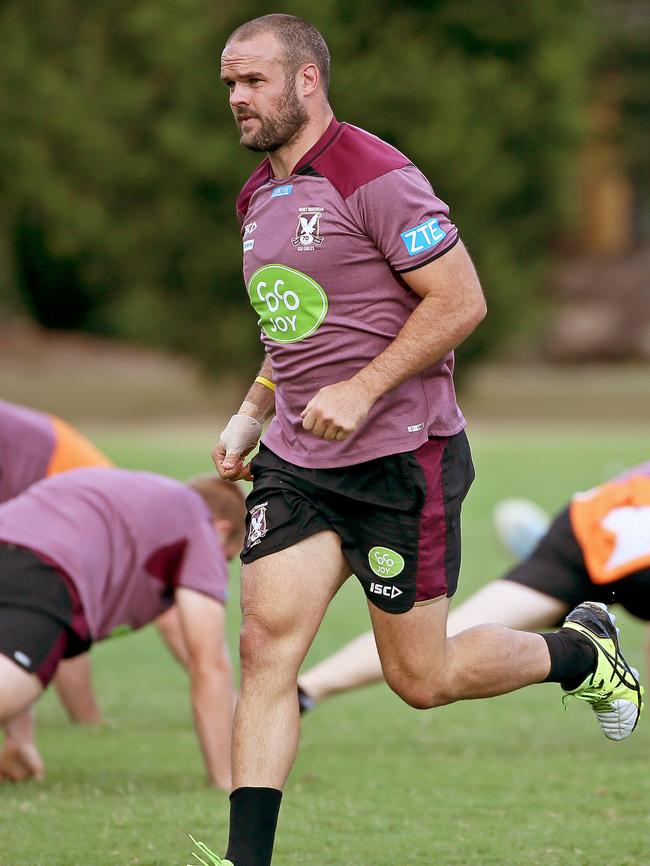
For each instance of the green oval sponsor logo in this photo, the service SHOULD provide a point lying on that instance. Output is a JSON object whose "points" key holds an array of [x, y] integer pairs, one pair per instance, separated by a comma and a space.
{"points": [[290, 305], [385, 562]]}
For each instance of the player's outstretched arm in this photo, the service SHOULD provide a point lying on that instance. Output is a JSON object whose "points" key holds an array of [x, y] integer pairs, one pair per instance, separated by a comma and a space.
{"points": [[170, 629], [213, 696], [73, 683], [452, 306], [244, 429]]}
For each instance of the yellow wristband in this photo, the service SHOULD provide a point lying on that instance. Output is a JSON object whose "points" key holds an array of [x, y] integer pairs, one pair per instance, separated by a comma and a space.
{"points": [[266, 382]]}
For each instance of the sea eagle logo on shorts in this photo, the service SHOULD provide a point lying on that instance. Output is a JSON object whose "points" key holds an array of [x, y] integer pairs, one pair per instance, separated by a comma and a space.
{"points": [[308, 235], [258, 528], [422, 237], [290, 305], [385, 563]]}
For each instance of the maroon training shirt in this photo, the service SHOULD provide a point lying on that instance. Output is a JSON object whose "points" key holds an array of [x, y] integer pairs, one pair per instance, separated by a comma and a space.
{"points": [[125, 539], [324, 251]]}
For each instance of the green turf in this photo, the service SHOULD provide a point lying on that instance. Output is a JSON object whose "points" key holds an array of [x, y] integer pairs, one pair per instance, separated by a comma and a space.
{"points": [[513, 781]]}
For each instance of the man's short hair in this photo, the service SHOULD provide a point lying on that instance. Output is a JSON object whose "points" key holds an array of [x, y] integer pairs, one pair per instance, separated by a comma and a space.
{"points": [[301, 42], [224, 499]]}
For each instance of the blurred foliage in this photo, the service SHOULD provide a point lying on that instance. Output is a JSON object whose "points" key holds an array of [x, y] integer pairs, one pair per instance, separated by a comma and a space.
{"points": [[624, 65], [120, 167]]}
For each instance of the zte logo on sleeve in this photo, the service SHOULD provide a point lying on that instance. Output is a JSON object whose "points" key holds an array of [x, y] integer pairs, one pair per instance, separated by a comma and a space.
{"points": [[422, 237]]}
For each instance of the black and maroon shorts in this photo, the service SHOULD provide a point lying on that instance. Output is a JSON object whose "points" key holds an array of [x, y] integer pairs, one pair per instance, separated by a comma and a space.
{"points": [[398, 517], [41, 619]]}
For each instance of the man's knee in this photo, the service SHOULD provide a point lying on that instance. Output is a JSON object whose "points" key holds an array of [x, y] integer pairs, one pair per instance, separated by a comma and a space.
{"points": [[266, 648], [420, 690], [255, 642]]}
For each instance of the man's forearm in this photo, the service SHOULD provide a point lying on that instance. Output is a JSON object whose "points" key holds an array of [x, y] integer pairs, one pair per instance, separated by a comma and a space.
{"points": [[169, 628], [74, 686], [430, 333], [213, 702], [259, 402]]}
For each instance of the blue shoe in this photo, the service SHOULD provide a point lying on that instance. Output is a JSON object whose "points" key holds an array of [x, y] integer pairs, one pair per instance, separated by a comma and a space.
{"points": [[520, 524]]}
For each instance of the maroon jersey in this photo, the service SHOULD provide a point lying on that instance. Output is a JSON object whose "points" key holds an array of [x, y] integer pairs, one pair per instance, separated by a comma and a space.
{"points": [[324, 251], [125, 539], [26, 444]]}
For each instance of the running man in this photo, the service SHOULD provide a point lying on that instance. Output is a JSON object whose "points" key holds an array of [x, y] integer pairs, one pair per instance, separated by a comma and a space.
{"points": [[562, 567], [88, 552], [362, 288]]}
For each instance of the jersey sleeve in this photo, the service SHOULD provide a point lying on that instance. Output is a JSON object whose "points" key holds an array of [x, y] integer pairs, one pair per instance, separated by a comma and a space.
{"points": [[204, 568], [404, 218]]}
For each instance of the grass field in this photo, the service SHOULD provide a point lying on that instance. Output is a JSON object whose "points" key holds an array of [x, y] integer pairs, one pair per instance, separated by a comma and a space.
{"points": [[513, 781]]}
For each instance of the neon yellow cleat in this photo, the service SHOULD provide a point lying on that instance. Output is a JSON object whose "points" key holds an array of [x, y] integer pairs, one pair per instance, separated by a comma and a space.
{"points": [[213, 859], [613, 689]]}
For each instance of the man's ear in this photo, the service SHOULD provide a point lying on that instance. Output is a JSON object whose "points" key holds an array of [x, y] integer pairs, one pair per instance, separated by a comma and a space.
{"points": [[224, 527]]}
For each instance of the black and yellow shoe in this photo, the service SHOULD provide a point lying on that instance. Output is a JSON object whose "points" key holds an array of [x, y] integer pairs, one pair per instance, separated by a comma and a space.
{"points": [[613, 689]]}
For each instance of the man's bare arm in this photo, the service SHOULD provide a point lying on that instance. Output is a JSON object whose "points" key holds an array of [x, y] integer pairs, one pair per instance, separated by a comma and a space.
{"points": [[171, 631], [452, 306], [244, 429], [213, 696], [73, 682]]}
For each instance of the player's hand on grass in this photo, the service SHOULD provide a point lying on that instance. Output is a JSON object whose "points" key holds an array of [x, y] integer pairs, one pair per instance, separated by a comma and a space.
{"points": [[336, 411], [20, 761], [237, 440]]}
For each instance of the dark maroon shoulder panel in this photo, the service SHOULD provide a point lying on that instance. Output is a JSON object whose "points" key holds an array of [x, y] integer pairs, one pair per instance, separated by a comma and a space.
{"points": [[254, 182], [165, 563], [356, 157]]}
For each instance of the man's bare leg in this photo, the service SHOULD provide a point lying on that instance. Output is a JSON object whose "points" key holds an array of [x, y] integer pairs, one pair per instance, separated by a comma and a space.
{"points": [[428, 669], [284, 598], [19, 757], [504, 602]]}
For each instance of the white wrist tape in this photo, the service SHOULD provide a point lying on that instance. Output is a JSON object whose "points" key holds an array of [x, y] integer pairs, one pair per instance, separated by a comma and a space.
{"points": [[240, 434]]}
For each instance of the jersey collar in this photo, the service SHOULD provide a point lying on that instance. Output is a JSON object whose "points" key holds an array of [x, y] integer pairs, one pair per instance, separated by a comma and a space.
{"points": [[315, 151]]}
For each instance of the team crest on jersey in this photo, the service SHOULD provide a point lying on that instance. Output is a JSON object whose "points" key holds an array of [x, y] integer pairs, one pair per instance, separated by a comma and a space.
{"points": [[257, 528], [308, 236]]}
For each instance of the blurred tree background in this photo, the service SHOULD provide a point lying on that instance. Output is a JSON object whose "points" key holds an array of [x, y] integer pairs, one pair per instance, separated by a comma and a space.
{"points": [[119, 163]]}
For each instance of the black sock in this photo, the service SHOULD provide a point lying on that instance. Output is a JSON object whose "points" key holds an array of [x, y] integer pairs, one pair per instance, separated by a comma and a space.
{"points": [[253, 818], [573, 658]]}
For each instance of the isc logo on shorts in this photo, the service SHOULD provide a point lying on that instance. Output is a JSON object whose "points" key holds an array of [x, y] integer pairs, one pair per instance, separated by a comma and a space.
{"points": [[389, 591]]}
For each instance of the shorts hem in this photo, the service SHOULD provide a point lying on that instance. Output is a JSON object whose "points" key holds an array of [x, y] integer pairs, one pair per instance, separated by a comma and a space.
{"points": [[260, 552], [426, 601]]}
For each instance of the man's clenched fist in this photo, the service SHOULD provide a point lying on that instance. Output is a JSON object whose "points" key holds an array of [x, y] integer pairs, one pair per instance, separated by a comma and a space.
{"points": [[238, 439]]}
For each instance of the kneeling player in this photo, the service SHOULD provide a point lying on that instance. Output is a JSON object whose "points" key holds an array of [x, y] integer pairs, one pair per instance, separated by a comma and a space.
{"points": [[89, 551], [597, 548], [35, 445]]}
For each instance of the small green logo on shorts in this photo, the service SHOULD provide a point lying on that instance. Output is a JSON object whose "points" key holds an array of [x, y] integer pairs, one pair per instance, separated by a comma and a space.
{"points": [[385, 562], [291, 305]]}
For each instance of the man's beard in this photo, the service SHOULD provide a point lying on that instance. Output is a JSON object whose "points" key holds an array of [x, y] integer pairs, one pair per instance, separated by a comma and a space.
{"points": [[276, 131]]}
